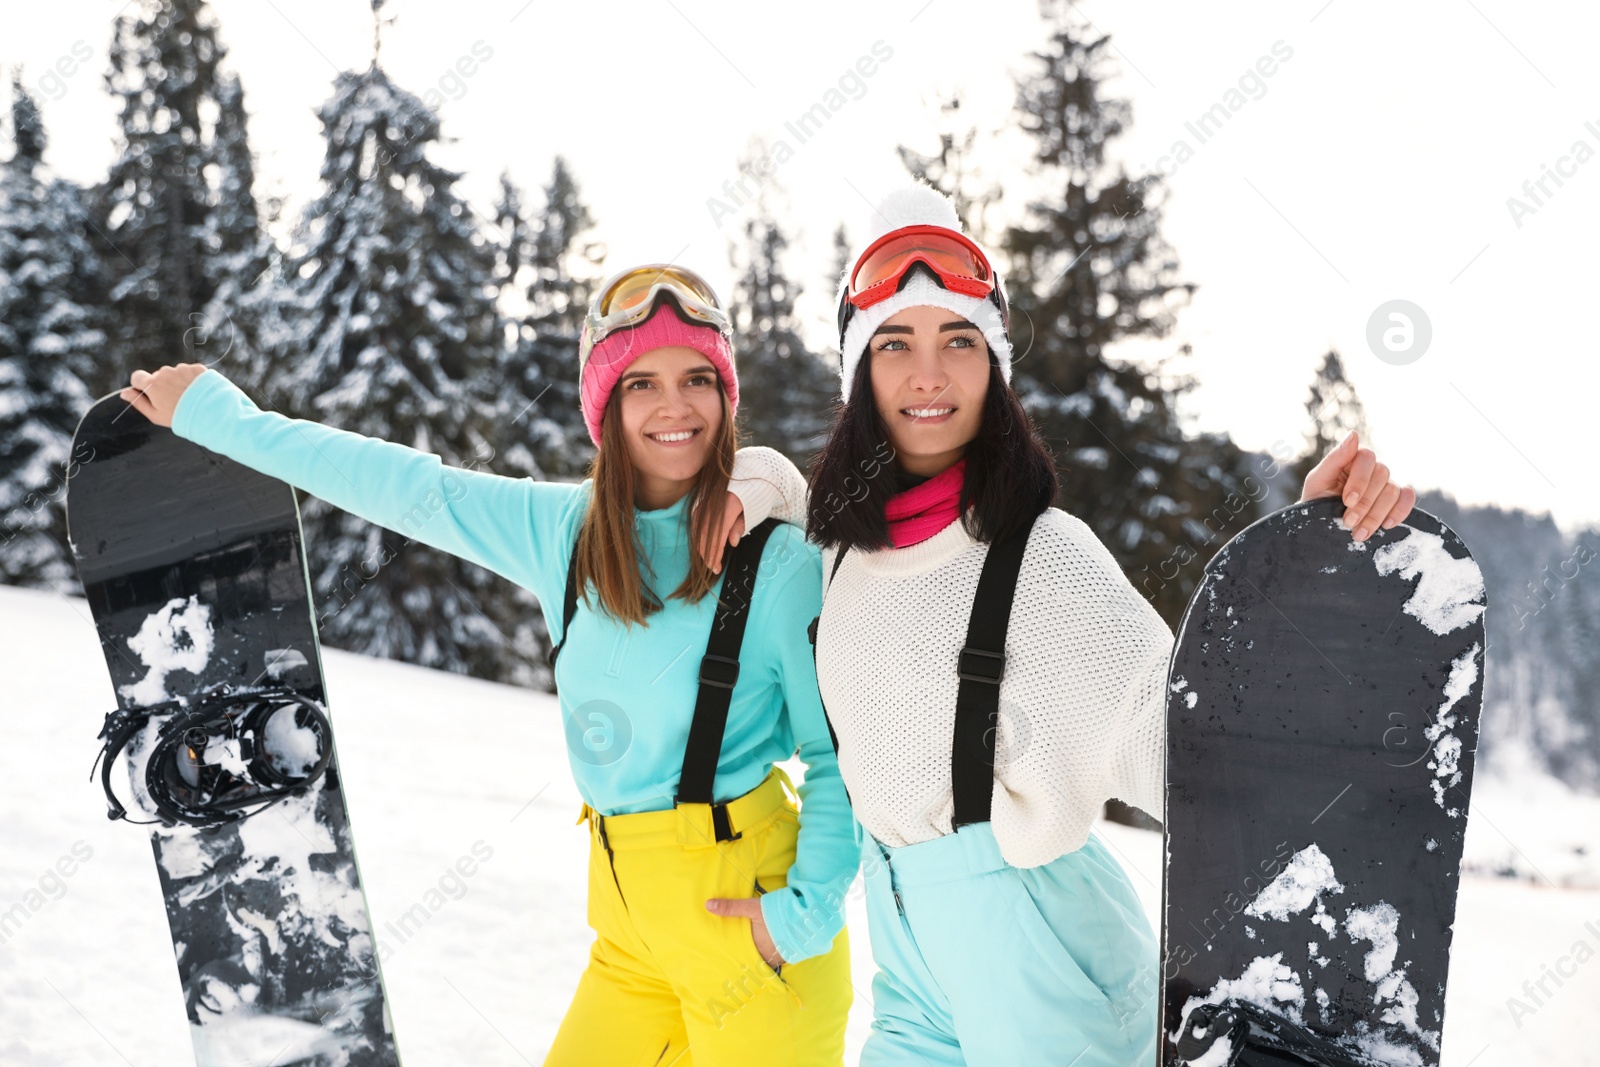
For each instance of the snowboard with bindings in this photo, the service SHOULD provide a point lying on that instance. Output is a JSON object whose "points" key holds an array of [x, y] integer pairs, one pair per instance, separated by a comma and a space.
{"points": [[1322, 719], [195, 572]]}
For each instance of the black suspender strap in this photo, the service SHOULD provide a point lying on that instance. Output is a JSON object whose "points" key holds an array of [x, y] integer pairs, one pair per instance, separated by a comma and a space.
{"points": [[980, 667], [569, 607], [811, 632], [719, 671]]}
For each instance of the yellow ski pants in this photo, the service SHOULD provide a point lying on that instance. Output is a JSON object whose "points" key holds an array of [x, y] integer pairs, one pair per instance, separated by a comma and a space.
{"points": [[671, 985]]}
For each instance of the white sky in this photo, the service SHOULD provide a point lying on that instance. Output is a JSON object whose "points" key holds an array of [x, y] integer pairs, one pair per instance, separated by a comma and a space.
{"points": [[1376, 165]]}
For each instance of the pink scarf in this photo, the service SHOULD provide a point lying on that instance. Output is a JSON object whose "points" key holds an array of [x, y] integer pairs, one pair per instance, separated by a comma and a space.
{"points": [[923, 510]]}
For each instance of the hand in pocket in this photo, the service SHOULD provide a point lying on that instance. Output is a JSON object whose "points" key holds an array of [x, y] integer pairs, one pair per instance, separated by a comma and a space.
{"points": [[749, 908]]}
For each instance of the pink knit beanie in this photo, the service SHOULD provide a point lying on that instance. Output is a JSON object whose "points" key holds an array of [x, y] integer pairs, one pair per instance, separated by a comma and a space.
{"points": [[609, 359]]}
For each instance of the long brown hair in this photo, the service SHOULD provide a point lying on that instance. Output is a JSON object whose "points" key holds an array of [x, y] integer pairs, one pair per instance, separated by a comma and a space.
{"points": [[608, 546]]}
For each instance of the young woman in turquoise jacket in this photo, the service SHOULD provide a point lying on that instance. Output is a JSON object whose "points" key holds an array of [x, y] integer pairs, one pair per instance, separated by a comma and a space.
{"points": [[717, 903]]}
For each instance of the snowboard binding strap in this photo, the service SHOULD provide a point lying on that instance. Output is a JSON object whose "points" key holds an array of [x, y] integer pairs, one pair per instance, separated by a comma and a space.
{"points": [[182, 787], [1257, 1038]]}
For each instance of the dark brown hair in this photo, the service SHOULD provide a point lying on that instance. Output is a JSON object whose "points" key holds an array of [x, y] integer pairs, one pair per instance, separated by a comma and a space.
{"points": [[1010, 476], [608, 548]]}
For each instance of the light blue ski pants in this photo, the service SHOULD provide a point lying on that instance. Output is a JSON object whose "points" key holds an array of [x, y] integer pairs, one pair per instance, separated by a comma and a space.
{"points": [[981, 964]]}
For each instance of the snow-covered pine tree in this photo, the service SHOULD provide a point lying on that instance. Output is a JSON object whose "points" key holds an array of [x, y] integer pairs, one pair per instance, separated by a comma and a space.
{"points": [[547, 272], [175, 210], [394, 334], [840, 263], [1086, 267], [49, 338], [544, 276], [1579, 623], [238, 324], [1542, 659], [1335, 410], [785, 391], [841, 260], [952, 168]]}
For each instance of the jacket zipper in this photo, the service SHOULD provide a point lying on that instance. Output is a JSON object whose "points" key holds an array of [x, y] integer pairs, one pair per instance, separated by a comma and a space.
{"points": [[894, 886]]}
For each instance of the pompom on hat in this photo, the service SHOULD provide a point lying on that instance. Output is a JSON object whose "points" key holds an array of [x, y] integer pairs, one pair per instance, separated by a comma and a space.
{"points": [[916, 205]]}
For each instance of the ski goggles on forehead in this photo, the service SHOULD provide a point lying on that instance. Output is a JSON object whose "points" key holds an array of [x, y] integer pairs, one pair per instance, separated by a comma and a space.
{"points": [[629, 298], [953, 259]]}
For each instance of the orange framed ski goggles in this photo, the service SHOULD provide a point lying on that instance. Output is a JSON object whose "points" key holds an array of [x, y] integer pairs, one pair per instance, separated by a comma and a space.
{"points": [[955, 261]]}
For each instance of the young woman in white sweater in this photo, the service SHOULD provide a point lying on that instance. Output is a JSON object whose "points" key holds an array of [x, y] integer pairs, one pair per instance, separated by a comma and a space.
{"points": [[1003, 930]]}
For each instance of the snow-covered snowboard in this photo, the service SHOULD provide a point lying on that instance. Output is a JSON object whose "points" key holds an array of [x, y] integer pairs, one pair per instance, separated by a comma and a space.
{"points": [[194, 569], [1322, 715]]}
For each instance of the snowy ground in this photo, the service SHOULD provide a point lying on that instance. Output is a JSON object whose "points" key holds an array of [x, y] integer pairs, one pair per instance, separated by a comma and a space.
{"points": [[436, 764]]}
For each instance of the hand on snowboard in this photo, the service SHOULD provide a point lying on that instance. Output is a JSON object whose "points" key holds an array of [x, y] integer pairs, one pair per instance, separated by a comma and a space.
{"points": [[1370, 498], [155, 396]]}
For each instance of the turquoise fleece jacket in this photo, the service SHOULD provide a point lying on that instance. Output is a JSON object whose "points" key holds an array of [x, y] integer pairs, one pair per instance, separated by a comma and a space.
{"points": [[627, 693]]}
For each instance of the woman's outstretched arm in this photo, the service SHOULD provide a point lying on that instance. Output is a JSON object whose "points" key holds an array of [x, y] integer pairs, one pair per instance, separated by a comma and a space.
{"points": [[518, 527]]}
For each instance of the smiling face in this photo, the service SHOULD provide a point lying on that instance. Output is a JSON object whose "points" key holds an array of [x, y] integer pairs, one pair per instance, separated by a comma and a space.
{"points": [[671, 406], [930, 372]]}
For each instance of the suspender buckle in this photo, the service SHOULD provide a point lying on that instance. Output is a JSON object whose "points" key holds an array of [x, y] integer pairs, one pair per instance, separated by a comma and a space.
{"points": [[718, 671], [722, 824], [976, 665]]}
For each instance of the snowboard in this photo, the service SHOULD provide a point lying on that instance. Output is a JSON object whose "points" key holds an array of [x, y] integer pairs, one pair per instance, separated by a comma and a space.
{"points": [[195, 572], [1322, 716]]}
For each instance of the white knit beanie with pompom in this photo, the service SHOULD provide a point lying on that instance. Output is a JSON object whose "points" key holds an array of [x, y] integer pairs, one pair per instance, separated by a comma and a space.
{"points": [[917, 205]]}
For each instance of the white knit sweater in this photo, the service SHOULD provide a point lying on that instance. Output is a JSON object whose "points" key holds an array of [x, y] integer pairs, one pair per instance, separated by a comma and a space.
{"points": [[1082, 702]]}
